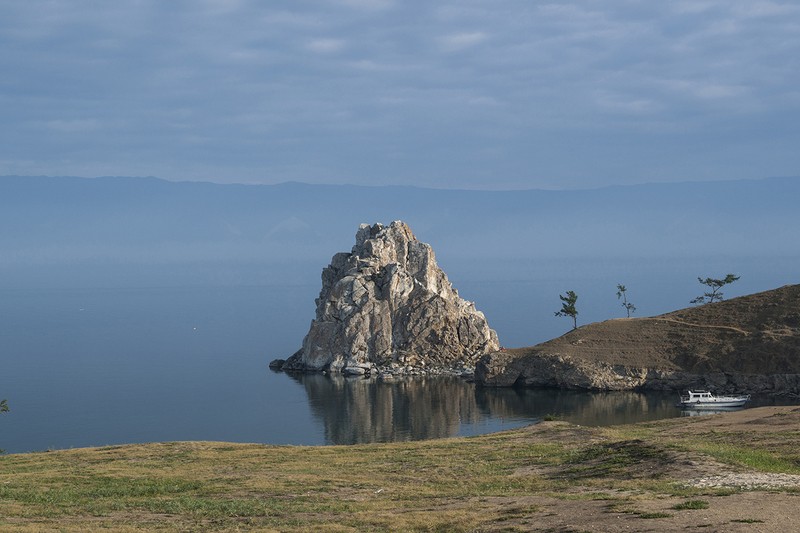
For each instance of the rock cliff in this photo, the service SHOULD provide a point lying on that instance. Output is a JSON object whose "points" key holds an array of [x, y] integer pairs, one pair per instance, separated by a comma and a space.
{"points": [[747, 344], [387, 306]]}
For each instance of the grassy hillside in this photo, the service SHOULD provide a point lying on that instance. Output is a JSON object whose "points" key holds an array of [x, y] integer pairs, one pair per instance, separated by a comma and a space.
{"points": [[668, 475], [754, 334]]}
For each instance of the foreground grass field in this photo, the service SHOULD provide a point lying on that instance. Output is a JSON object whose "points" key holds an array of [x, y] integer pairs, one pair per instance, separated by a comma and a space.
{"points": [[553, 476]]}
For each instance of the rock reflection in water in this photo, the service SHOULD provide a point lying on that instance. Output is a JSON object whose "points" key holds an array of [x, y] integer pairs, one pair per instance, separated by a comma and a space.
{"points": [[357, 410]]}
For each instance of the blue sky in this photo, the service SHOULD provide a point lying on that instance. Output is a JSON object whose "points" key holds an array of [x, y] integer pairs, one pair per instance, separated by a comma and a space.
{"points": [[452, 94]]}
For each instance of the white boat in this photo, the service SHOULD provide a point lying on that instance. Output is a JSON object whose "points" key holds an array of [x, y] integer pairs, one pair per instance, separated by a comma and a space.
{"points": [[705, 400]]}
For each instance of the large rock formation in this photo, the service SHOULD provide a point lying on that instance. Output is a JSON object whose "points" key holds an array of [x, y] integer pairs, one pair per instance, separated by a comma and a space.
{"points": [[751, 344], [387, 304]]}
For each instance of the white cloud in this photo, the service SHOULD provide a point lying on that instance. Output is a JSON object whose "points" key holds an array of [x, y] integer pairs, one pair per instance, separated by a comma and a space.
{"points": [[705, 89], [626, 104], [74, 125], [392, 100], [219, 7], [419, 77], [766, 9], [293, 20], [325, 46], [693, 7], [366, 4], [460, 41], [369, 65], [482, 101]]}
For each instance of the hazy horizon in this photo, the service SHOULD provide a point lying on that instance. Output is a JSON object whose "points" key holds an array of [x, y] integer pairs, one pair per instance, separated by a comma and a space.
{"points": [[512, 252], [484, 188]]}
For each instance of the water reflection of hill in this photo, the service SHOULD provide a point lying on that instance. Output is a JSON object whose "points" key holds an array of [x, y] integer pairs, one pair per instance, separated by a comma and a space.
{"points": [[355, 410], [591, 409]]}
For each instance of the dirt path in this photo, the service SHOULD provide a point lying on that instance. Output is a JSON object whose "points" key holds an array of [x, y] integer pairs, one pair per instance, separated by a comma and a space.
{"points": [[757, 511], [757, 501]]}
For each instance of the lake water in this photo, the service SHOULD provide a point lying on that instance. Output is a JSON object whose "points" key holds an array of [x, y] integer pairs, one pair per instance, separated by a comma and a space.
{"points": [[91, 367]]}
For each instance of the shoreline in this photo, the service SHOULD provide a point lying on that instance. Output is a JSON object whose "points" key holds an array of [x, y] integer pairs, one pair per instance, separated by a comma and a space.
{"points": [[557, 419]]}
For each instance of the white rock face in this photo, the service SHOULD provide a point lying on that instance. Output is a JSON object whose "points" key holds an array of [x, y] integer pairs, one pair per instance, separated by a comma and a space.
{"points": [[388, 304]]}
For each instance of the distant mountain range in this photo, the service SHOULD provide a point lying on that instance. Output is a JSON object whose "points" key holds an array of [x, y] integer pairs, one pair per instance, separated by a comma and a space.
{"points": [[117, 231], [77, 218]]}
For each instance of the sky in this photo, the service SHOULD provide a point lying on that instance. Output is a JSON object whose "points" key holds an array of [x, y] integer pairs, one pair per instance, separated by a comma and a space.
{"points": [[495, 94]]}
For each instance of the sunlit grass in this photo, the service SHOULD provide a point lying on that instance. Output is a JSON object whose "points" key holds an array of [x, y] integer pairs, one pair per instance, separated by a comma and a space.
{"points": [[460, 484], [746, 456], [277, 486]]}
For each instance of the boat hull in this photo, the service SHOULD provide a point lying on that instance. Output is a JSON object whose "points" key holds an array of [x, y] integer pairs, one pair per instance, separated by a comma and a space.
{"points": [[722, 404]]}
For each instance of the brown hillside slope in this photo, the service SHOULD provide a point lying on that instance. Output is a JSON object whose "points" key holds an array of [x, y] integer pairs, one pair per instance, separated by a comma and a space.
{"points": [[751, 342]]}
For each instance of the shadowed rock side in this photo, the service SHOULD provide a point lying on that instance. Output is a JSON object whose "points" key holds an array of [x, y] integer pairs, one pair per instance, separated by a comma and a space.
{"points": [[386, 306], [751, 343]]}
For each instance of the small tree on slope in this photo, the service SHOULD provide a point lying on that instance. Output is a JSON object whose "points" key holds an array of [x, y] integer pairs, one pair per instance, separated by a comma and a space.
{"points": [[715, 285], [629, 307], [568, 307], [3, 409]]}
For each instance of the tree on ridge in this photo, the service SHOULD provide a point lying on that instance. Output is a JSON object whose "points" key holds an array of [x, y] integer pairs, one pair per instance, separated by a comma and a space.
{"points": [[629, 307], [3, 409], [715, 285], [568, 307]]}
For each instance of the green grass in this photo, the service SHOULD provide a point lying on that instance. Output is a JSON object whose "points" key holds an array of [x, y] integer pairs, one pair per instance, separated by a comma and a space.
{"points": [[275, 486], [650, 516], [691, 504], [501, 481], [762, 460]]}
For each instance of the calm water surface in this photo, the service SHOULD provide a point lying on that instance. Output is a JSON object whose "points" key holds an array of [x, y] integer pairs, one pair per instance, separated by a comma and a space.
{"points": [[108, 366]]}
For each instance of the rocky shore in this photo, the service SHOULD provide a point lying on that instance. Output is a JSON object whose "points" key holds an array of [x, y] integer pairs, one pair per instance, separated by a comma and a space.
{"points": [[386, 372]]}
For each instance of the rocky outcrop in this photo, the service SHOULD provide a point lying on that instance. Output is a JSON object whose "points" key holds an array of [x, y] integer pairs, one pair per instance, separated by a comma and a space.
{"points": [[387, 307], [748, 344], [503, 369]]}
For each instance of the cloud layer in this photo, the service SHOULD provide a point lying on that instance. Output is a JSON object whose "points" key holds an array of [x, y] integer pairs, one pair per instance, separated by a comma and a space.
{"points": [[472, 94]]}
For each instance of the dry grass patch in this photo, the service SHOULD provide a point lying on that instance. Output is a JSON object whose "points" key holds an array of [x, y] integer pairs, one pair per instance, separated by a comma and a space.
{"points": [[548, 475]]}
